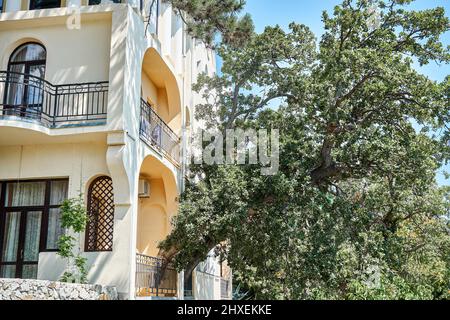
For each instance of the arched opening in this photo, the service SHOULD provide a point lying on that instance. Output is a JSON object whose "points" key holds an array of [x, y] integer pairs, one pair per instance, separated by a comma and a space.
{"points": [[157, 205], [161, 118], [160, 89], [100, 211], [25, 82]]}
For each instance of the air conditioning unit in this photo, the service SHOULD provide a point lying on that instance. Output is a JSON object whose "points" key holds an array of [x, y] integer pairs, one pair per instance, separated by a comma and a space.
{"points": [[144, 188]]}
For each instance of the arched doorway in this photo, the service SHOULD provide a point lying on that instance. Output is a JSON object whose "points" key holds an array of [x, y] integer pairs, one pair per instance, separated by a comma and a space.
{"points": [[25, 82], [157, 205]]}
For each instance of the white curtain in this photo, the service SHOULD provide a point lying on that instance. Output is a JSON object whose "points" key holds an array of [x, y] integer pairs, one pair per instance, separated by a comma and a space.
{"points": [[23, 194], [58, 193], [54, 228], [15, 85], [11, 237], [32, 235], [10, 244], [31, 249]]}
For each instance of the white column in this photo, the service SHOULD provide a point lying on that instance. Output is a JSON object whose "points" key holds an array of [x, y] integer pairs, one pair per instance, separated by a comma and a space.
{"points": [[177, 42], [165, 28], [230, 286], [180, 286]]}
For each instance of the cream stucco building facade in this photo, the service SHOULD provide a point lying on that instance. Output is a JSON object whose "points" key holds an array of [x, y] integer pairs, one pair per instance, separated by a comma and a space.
{"points": [[96, 98]]}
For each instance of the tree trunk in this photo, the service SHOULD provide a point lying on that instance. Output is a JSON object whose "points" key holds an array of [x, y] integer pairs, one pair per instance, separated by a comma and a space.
{"points": [[168, 256]]}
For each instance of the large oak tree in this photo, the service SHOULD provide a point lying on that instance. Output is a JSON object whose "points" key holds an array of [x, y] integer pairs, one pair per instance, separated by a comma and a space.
{"points": [[354, 211]]}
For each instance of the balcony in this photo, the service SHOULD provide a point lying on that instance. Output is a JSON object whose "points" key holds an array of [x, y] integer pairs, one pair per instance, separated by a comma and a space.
{"points": [[29, 98], [225, 289], [157, 134], [149, 279]]}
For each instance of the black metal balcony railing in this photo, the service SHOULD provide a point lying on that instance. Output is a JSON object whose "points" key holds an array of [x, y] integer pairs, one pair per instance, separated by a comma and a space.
{"points": [[155, 132], [29, 97], [224, 288], [150, 282]]}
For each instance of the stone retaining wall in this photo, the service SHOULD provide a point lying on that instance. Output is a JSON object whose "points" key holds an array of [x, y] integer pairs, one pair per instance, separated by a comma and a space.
{"points": [[24, 289]]}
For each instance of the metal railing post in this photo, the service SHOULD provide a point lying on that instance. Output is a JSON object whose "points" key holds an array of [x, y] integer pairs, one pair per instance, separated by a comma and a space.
{"points": [[55, 106], [48, 110], [157, 134]]}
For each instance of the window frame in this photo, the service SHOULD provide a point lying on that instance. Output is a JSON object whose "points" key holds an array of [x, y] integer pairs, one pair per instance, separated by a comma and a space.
{"points": [[32, 5], [45, 208], [26, 72], [94, 223], [28, 63]]}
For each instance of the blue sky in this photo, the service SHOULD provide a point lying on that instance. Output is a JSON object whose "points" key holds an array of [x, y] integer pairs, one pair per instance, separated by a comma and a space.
{"points": [[308, 12]]}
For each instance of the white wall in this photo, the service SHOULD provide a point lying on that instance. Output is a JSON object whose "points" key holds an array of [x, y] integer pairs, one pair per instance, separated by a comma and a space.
{"points": [[109, 46], [72, 55]]}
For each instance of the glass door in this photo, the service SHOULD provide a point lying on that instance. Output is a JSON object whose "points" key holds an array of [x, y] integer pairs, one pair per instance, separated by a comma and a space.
{"points": [[29, 248], [20, 244], [10, 245], [25, 81], [34, 93], [30, 223]]}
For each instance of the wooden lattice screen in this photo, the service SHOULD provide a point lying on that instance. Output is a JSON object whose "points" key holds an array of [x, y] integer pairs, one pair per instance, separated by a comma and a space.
{"points": [[100, 210]]}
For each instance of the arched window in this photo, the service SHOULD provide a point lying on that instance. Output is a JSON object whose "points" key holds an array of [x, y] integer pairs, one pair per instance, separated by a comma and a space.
{"points": [[25, 81], [100, 211]]}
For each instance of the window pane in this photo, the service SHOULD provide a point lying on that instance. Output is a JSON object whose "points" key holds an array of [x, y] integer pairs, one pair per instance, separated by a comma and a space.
{"points": [[35, 90], [15, 90], [58, 192], [44, 4], [7, 271], [29, 52], [11, 237], [22, 194], [32, 236], [54, 229], [29, 271]]}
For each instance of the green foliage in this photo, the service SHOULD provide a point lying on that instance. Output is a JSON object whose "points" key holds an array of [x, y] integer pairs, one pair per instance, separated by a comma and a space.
{"points": [[74, 214], [207, 18], [65, 245], [354, 211], [73, 220]]}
